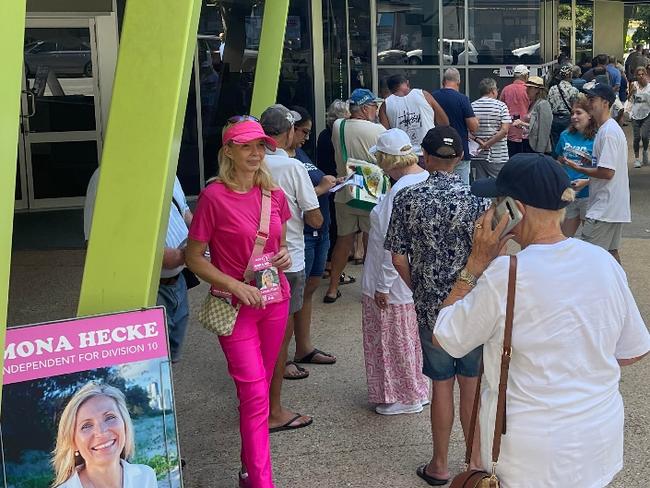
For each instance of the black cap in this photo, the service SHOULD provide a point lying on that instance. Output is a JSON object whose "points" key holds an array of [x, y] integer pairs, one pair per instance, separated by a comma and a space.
{"points": [[533, 179], [443, 142], [603, 91]]}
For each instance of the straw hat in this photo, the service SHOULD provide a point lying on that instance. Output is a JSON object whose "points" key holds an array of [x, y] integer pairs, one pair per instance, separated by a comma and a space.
{"points": [[536, 82]]}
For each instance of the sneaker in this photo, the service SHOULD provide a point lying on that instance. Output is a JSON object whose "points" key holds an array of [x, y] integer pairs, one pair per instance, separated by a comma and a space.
{"points": [[425, 402], [637, 163], [397, 408]]}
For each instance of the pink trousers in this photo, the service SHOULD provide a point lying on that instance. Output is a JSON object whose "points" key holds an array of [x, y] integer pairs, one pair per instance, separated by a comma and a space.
{"points": [[251, 352]]}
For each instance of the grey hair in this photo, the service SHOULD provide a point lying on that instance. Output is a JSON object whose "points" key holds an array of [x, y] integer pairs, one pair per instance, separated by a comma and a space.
{"points": [[338, 109], [451, 74], [486, 86], [576, 71]]}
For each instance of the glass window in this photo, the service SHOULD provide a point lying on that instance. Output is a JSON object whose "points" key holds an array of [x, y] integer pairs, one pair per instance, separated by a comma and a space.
{"points": [[63, 169], [407, 32], [565, 22], [584, 21], [427, 79], [477, 74], [453, 41], [505, 34], [335, 50], [360, 52]]}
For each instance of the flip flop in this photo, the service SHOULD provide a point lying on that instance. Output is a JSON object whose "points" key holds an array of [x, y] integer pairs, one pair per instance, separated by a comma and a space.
{"points": [[309, 358], [288, 425], [302, 372], [431, 480], [346, 279], [329, 299]]}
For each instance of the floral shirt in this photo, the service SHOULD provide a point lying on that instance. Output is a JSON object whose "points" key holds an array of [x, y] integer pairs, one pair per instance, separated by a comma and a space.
{"points": [[570, 93], [433, 223]]}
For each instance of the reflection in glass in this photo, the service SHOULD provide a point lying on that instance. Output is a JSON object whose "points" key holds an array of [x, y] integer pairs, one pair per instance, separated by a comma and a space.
{"points": [[477, 74], [335, 51], [63, 169], [58, 66], [426, 79], [584, 32], [407, 32], [453, 42], [505, 35], [360, 67]]}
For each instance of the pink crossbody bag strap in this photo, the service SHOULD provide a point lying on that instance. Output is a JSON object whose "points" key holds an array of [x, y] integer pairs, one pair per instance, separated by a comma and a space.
{"points": [[262, 234]]}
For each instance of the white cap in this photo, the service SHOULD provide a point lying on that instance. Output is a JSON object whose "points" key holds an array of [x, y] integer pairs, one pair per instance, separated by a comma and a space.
{"points": [[521, 69], [395, 142]]}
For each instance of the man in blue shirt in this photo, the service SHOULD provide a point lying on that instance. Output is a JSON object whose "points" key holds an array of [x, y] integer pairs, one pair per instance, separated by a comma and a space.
{"points": [[460, 114]]}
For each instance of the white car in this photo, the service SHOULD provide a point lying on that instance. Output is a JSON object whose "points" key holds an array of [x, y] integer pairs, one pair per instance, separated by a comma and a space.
{"points": [[451, 46]]}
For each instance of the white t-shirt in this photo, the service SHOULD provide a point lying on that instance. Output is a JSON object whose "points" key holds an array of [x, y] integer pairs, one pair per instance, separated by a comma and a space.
{"points": [[609, 200], [413, 114], [292, 176], [379, 274], [491, 114], [564, 409], [360, 136], [640, 101], [135, 476]]}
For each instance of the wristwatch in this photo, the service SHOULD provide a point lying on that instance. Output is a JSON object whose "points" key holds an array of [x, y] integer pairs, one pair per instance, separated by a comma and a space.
{"points": [[467, 277]]}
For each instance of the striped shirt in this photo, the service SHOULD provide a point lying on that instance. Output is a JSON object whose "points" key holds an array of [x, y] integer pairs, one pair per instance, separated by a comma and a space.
{"points": [[491, 113], [177, 228]]}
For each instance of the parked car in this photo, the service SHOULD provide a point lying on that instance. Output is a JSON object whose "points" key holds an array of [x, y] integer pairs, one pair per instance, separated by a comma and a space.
{"points": [[66, 57]]}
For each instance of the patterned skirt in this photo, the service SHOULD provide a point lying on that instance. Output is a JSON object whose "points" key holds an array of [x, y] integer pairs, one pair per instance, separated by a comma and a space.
{"points": [[393, 354]]}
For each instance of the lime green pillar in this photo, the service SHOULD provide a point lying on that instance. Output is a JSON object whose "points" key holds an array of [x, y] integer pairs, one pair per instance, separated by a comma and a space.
{"points": [[140, 154], [269, 59], [12, 33]]}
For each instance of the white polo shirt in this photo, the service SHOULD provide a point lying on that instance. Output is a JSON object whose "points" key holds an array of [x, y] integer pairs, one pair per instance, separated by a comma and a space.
{"points": [[292, 176]]}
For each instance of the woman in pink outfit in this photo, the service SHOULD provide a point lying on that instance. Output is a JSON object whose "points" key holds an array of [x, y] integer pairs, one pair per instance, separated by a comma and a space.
{"points": [[227, 219]]}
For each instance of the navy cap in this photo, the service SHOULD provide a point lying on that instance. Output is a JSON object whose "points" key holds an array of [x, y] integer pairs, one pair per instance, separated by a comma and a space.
{"points": [[603, 91], [533, 179], [363, 96]]}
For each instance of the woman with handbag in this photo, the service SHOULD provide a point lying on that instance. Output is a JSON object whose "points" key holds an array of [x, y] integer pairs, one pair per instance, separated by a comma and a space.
{"points": [[537, 123], [241, 216], [554, 339]]}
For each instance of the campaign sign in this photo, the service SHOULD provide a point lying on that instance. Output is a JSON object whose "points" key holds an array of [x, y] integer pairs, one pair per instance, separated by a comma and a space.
{"points": [[83, 393]]}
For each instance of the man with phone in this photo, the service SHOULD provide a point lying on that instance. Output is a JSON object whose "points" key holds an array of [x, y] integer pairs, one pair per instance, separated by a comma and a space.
{"points": [[609, 187], [430, 237]]}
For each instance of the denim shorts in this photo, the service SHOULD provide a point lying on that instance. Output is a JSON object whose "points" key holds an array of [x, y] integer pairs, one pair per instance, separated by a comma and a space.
{"points": [[440, 366], [316, 248]]}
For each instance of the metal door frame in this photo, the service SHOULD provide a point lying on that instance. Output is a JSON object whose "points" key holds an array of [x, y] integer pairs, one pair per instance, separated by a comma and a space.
{"points": [[29, 138]]}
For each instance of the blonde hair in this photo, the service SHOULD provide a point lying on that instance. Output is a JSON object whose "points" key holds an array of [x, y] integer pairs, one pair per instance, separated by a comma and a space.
{"points": [[64, 460], [390, 161], [226, 174]]}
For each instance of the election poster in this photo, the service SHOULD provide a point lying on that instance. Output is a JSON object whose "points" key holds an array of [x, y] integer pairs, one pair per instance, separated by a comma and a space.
{"points": [[86, 393]]}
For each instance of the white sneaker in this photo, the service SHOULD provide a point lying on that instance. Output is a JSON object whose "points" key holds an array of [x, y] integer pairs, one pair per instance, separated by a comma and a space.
{"points": [[397, 408], [637, 163], [425, 402]]}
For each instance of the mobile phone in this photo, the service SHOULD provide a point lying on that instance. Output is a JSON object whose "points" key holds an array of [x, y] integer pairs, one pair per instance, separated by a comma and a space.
{"points": [[508, 206]]}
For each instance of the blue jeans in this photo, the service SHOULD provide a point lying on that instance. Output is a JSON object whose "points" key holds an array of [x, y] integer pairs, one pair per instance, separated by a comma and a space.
{"points": [[174, 299], [316, 248], [462, 170], [438, 365]]}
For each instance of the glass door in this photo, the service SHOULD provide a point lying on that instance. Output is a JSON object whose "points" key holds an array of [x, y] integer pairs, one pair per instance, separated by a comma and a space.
{"points": [[60, 123]]}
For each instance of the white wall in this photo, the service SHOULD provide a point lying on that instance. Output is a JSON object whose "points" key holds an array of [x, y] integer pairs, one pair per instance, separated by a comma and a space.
{"points": [[609, 27]]}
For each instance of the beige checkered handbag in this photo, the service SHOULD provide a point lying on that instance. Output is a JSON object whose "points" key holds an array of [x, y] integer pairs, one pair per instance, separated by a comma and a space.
{"points": [[218, 315]]}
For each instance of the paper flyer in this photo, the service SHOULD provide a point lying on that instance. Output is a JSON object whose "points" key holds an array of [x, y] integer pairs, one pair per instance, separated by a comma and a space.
{"points": [[267, 278]]}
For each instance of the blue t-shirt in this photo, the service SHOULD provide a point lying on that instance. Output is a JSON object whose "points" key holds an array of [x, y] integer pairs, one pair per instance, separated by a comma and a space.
{"points": [[577, 141], [614, 74], [457, 107], [316, 176]]}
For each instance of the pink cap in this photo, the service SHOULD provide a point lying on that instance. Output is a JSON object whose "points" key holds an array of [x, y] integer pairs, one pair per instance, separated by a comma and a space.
{"points": [[247, 131]]}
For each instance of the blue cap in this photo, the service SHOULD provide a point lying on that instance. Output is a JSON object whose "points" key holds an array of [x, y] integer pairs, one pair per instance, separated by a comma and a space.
{"points": [[362, 96], [533, 179], [603, 91]]}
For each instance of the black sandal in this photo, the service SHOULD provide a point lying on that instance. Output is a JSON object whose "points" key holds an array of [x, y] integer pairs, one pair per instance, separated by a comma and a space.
{"points": [[346, 279], [329, 299], [431, 480], [302, 372], [309, 358]]}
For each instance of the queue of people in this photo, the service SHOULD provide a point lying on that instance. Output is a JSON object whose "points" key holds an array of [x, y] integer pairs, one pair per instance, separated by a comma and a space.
{"points": [[432, 247]]}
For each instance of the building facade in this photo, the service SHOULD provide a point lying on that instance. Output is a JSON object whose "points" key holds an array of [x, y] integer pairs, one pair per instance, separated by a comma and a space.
{"points": [[331, 47]]}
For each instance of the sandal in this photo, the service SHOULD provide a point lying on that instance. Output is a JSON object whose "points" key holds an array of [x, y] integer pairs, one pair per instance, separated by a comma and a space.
{"points": [[309, 358], [326, 274], [288, 426], [431, 480], [329, 299], [346, 279], [301, 375]]}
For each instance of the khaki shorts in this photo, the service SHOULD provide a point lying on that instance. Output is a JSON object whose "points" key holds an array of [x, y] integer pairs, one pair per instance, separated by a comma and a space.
{"points": [[351, 220], [577, 208], [602, 234]]}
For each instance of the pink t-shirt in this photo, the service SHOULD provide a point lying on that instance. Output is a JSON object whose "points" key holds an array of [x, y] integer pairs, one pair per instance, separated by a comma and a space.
{"points": [[516, 98], [228, 222]]}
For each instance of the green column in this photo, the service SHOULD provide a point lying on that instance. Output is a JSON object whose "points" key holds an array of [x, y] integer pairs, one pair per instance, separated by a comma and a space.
{"points": [[141, 148], [12, 33], [269, 58]]}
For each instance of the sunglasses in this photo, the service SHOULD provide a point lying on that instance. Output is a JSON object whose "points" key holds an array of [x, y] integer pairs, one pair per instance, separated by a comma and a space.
{"points": [[242, 118]]}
